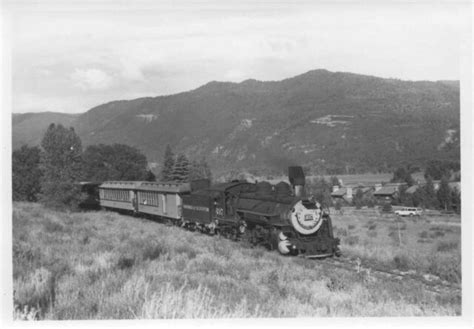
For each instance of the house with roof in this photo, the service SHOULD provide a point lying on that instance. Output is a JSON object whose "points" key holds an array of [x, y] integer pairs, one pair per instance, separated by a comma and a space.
{"points": [[388, 192], [347, 193]]}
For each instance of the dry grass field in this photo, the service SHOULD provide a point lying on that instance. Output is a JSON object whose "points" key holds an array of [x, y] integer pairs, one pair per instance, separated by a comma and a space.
{"points": [[102, 265], [429, 244]]}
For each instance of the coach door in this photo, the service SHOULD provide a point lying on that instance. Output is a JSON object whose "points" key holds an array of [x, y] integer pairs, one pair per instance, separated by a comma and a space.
{"points": [[163, 202], [179, 205], [229, 204], [134, 198]]}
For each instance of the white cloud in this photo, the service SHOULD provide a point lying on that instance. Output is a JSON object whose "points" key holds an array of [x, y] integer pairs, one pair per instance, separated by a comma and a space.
{"points": [[91, 79], [164, 50]]}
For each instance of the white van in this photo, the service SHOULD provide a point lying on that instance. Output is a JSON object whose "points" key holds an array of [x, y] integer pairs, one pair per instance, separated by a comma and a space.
{"points": [[409, 212]]}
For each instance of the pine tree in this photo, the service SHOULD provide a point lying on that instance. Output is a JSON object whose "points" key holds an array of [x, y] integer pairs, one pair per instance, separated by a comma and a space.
{"points": [[358, 199], [168, 164], [61, 162], [205, 169], [431, 200], [456, 200], [194, 171], [335, 181], [444, 194], [181, 169]]}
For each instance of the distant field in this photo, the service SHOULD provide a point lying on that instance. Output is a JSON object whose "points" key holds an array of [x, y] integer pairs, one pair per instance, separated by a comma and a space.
{"points": [[102, 265], [366, 179], [370, 179]]}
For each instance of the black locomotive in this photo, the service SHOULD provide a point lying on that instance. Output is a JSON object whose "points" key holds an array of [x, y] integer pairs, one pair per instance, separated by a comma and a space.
{"points": [[279, 216]]}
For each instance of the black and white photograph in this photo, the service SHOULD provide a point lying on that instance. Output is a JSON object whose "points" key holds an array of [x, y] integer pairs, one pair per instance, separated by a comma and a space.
{"points": [[239, 162]]}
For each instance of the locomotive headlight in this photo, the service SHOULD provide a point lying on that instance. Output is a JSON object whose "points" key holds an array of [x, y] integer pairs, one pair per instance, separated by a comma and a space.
{"points": [[305, 219]]}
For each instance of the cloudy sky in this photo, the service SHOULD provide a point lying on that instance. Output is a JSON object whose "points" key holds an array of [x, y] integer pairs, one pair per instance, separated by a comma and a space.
{"points": [[71, 57]]}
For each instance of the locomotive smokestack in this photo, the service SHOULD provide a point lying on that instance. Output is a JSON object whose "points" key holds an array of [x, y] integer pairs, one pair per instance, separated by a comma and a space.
{"points": [[297, 180]]}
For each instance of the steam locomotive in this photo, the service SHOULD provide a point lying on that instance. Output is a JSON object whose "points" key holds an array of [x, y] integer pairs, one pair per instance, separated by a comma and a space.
{"points": [[279, 217]]}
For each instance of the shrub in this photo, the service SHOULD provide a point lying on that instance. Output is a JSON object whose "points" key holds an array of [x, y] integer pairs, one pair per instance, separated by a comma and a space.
{"points": [[436, 234], [37, 291], [52, 227], [372, 227], [152, 252], [187, 250], [447, 246], [341, 232], [446, 266], [352, 240], [401, 262], [387, 207], [423, 235], [351, 227], [372, 234], [125, 262], [336, 283], [25, 314]]}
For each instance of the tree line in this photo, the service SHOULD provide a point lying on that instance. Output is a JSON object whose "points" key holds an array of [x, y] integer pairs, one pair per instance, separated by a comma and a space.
{"points": [[179, 169], [426, 195], [50, 173]]}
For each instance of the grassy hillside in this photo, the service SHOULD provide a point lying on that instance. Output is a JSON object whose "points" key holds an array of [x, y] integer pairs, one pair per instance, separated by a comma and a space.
{"points": [[102, 265]]}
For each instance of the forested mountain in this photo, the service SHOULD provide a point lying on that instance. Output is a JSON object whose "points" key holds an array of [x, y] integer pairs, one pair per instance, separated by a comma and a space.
{"points": [[329, 122], [28, 128]]}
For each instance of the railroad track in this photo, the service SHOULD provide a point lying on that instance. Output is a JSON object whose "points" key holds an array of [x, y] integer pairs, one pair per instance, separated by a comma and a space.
{"points": [[430, 282]]}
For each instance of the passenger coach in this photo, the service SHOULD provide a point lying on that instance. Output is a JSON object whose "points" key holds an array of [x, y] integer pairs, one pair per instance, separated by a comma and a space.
{"points": [[118, 195], [161, 199]]}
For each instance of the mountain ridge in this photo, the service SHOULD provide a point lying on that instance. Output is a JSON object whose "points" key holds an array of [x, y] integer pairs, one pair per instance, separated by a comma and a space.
{"points": [[331, 122]]}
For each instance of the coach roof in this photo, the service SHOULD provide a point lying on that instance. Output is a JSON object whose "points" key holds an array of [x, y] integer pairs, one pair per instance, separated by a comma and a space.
{"points": [[170, 187], [121, 185]]}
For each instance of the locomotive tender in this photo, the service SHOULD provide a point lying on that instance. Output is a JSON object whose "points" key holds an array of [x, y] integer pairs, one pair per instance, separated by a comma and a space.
{"points": [[277, 216]]}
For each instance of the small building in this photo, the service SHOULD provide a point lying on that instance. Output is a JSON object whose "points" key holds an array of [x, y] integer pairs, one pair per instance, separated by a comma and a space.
{"points": [[388, 192], [342, 194], [347, 193]]}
